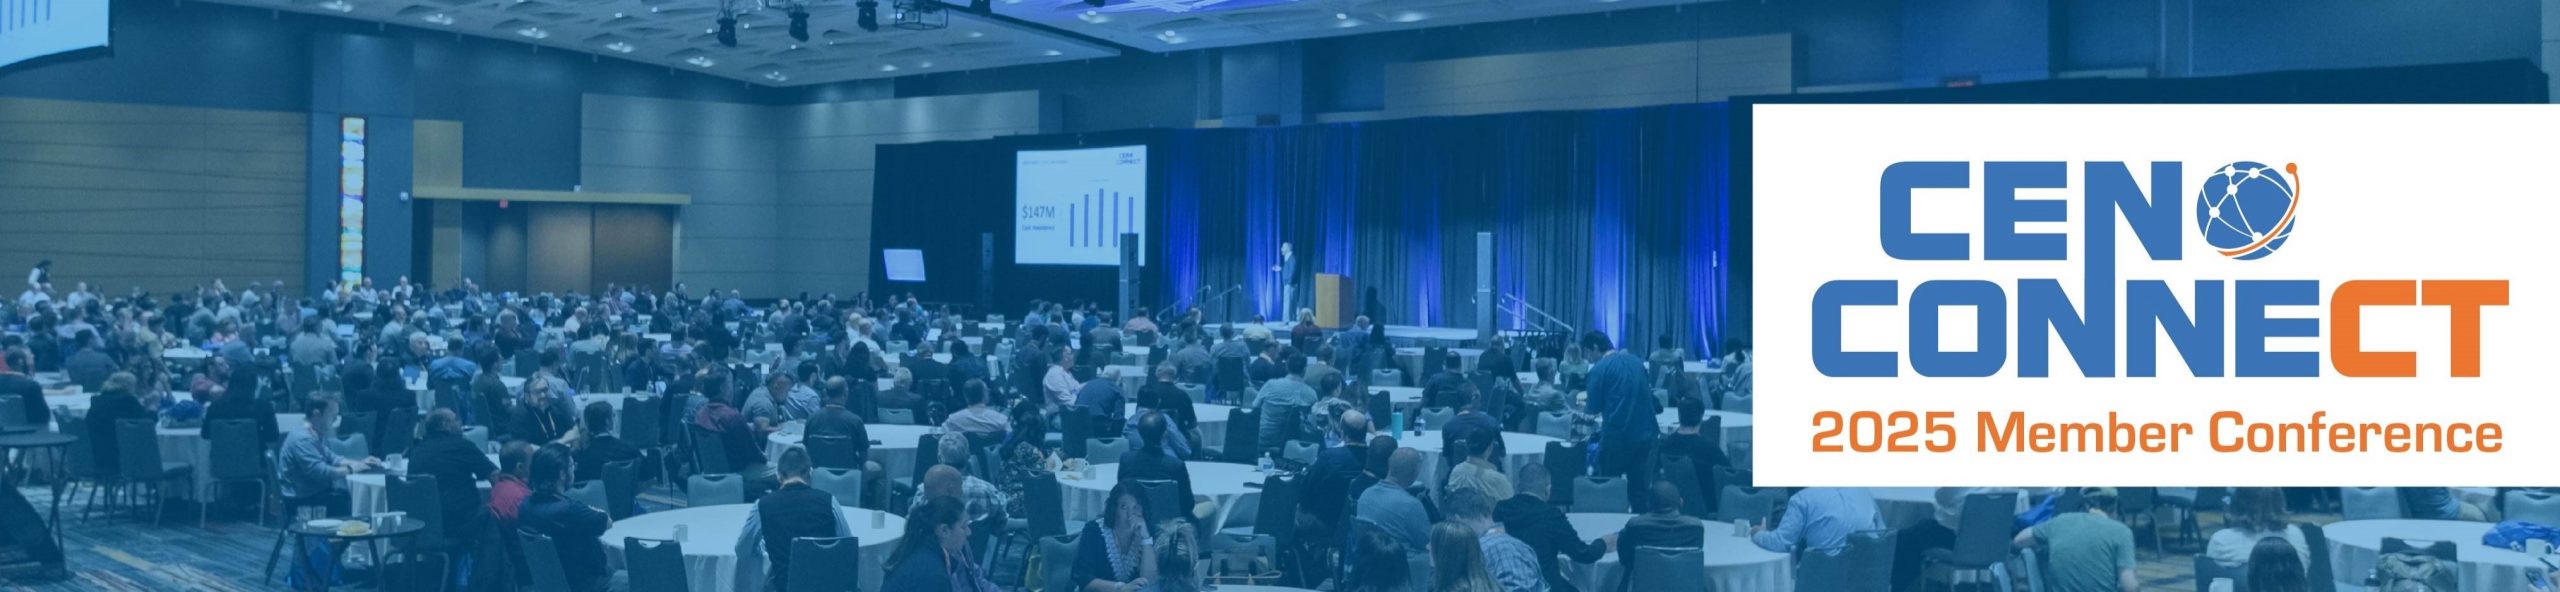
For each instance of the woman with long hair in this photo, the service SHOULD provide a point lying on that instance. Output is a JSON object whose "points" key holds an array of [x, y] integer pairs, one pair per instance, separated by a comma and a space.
{"points": [[1177, 565], [1115, 552], [933, 556], [1379, 565], [2256, 513], [2275, 566], [1457, 560]]}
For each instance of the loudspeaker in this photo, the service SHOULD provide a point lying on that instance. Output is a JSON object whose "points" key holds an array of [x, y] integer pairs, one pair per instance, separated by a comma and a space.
{"points": [[1484, 288], [986, 271], [1128, 273]]}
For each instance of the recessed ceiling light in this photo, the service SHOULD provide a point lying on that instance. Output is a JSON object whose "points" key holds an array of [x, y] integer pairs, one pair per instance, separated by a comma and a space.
{"points": [[888, 67], [617, 15], [924, 64], [1053, 52], [795, 46], [1342, 16], [776, 76], [1416, 16], [976, 34], [338, 5], [534, 32], [653, 9], [440, 18], [700, 61], [620, 47]]}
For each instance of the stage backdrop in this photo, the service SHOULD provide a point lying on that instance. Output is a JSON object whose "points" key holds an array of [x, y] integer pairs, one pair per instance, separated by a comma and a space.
{"points": [[1619, 220]]}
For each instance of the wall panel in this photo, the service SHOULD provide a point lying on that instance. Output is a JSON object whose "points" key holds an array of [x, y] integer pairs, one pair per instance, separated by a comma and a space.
{"points": [[159, 197]]}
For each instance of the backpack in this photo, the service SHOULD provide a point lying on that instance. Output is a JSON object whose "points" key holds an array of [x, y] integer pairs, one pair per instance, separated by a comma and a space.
{"points": [[2406, 568]]}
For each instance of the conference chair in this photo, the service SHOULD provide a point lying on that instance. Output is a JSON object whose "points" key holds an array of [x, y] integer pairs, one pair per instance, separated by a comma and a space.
{"points": [[830, 564], [1599, 495], [2532, 506], [1105, 450], [1693, 492], [418, 497], [13, 415], [350, 446], [478, 435], [1057, 550], [1075, 425], [543, 559], [1748, 503], [641, 425], [1983, 533], [1865, 564], [138, 461], [844, 484], [1555, 424], [1564, 463], [2324, 578], [621, 485], [1665, 568], [2371, 503], [656, 565], [1387, 377], [715, 489], [831, 451], [1244, 428], [1437, 417], [399, 428], [1163, 499], [2207, 570], [1231, 382], [237, 455], [1277, 518]]}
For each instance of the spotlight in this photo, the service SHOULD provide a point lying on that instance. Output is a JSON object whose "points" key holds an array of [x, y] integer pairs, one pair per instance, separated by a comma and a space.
{"points": [[867, 15], [728, 30], [799, 23]]}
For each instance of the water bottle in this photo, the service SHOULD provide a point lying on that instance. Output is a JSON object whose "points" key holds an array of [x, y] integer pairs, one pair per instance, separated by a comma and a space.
{"points": [[1396, 424], [1265, 463]]}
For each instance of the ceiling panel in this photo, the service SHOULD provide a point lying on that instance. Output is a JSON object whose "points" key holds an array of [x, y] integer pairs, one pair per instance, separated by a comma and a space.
{"points": [[1171, 25]]}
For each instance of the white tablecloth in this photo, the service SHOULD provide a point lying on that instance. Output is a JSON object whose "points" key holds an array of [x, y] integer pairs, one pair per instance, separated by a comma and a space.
{"points": [[2355, 546], [1223, 483], [1902, 507], [367, 494], [711, 543], [1213, 422], [189, 446], [1522, 450], [1737, 425], [896, 450], [427, 398], [1733, 563]]}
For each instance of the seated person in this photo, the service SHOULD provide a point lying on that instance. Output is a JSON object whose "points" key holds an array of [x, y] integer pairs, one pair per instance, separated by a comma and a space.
{"points": [[745, 446], [779, 401], [1149, 461], [575, 528], [1819, 519], [2085, 551], [1530, 518], [980, 419], [933, 556], [545, 416], [792, 511], [1665, 526], [313, 474], [1112, 554], [1478, 472], [2256, 513], [947, 480], [595, 445]]}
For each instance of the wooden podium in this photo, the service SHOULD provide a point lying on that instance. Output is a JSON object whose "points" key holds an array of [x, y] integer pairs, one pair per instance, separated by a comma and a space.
{"points": [[1336, 305]]}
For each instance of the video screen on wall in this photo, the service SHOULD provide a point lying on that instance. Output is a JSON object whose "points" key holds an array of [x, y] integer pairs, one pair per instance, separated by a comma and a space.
{"points": [[1071, 206]]}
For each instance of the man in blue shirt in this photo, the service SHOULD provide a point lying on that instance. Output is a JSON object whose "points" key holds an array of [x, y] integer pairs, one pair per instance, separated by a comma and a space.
{"points": [[1622, 395], [1283, 404], [1392, 509], [1819, 519]]}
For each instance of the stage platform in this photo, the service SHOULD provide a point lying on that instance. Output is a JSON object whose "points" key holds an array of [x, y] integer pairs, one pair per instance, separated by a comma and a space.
{"points": [[1396, 333]]}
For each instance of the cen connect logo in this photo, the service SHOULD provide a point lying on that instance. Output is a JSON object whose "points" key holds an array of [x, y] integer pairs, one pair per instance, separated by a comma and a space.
{"points": [[2246, 210]]}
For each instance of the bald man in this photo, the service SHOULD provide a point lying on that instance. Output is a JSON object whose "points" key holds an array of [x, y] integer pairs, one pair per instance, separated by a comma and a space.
{"points": [[1392, 507]]}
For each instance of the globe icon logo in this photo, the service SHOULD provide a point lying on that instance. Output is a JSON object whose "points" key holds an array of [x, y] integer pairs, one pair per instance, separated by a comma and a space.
{"points": [[2246, 209]]}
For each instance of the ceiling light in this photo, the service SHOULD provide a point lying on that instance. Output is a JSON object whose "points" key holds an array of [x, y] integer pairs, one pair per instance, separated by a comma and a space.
{"points": [[924, 64], [1410, 16], [534, 32], [976, 34], [776, 76], [1168, 36], [338, 5], [728, 30], [653, 10], [1342, 16], [888, 67], [617, 15], [701, 61], [440, 18], [1053, 52], [799, 23], [867, 15], [619, 46]]}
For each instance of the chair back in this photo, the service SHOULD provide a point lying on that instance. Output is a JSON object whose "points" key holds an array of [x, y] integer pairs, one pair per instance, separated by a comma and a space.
{"points": [[832, 451], [13, 414], [2207, 570], [928, 454], [844, 484], [897, 416], [1105, 450], [1382, 408], [478, 435], [1693, 493], [1231, 379], [590, 493], [1163, 499], [2317, 539], [1387, 377], [1564, 463], [641, 424], [1075, 425], [1984, 529], [1299, 453], [1666, 568], [710, 453], [1276, 517], [2371, 503], [399, 428], [2533, 506], [357, 422], [1737, 502], [713, 489], [621, 485], [83, 453], [656, 565], [826, 564], [1046, 504], [1555, 424], [1599, 495], [1435, 418], [1058, 551], [350, 446], [138, 449], [1244, 435], [238, 453], [1864, 565], [418, 496], [543, 559], [1246, 545]]}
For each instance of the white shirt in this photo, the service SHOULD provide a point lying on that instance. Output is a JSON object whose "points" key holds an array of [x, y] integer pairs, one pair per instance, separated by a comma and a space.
{"points": [[1060, 385], [33, 297]]}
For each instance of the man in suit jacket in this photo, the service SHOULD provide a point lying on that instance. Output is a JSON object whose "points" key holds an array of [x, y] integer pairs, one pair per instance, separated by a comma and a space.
{"points": [[1149, 460], [1665, 526], [1528, 517]]}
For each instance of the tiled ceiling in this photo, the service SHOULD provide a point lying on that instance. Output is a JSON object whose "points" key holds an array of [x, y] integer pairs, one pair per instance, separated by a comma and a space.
{"points": [[1172, 25], [679, 34]]}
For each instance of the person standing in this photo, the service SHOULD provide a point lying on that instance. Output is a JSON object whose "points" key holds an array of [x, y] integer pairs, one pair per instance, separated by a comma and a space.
{"points": [[1628, 426]]}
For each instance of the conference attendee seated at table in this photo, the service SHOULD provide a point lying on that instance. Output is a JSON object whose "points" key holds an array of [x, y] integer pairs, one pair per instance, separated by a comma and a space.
{"points": [[1328, 481], [2439, 503], [1510, 561], [545, 416], [1529, 517], [1141, 327], [1102, 397], [981, 420], [835, 418], [1378, 563], [507, 492], [780, 400], [442, 452], [745, 445], [1058, 383], [922, 365], [979, 497], [595, 445], [794, 510], [114, 402], [1113, 554], [1332, 400], [2276, 566], [211, 380], [1478, 472], [902, 394], [1457, 560], [1192, 361], [14, 365], [1453, 437], [1441, 388], [933, 556], [1148, 461], [550, 368], [313, 474], [1319, 366], [1283, 404], [1265, 364], [389, 391], [1705, 452], [2256, 513], [90, 365], [2085, 550], [492, 404], [1665, 526], [1390, 505], [576, 529], [1818, 520]]}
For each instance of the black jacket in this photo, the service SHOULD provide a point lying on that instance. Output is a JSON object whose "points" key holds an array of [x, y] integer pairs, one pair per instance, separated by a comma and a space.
{"points": [[1151, 462], [105, 409], [600, 450], [249, 408], [1545, 529], [29, 393], [458, 468]]}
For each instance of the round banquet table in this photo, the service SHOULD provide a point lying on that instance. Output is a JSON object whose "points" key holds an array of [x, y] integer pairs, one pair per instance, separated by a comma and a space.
{"points": [[711, 558], [188, 445], [1224, 483], [2356, 545], [1242, 588], [1522, 449], [1213, 421], [1733, 563], [367, 494], [1901, 507], [894, 445], [1737, 425], [612, 399]]}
